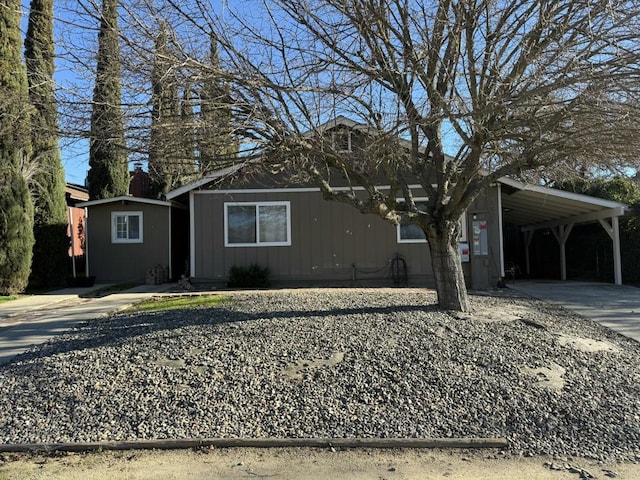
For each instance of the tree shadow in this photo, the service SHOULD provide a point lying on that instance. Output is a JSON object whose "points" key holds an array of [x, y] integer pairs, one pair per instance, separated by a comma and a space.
{"points": [[118, 329]]}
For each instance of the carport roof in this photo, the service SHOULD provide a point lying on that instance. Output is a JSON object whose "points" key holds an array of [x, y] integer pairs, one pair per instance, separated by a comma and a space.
{"points": [[533, 207]]}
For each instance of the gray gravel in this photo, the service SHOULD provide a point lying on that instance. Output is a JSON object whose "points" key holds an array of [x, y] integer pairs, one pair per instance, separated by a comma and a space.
{"points": [[333, 363]]}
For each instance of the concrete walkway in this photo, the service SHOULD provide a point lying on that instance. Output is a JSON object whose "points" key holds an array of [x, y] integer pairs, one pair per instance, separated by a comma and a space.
{"points": [[35, 319], [614, 306]]}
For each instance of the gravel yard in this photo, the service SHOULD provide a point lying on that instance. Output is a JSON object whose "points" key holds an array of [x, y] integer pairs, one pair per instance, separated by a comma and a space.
{"points": [[335, 363]]}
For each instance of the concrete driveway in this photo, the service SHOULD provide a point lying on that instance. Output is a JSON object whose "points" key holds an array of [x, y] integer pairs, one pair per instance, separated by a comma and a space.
{"points": [[36, 319], [614, 306]]}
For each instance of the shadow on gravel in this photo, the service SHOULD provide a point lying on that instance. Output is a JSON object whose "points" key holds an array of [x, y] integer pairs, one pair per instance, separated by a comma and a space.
{"points": [[119, 328]]}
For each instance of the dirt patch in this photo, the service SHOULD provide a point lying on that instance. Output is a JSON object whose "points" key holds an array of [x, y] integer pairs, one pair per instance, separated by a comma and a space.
{"points": [[171, 363], [549, 377], [588, 345], [296, 371], [304, 464], [508, 313]]}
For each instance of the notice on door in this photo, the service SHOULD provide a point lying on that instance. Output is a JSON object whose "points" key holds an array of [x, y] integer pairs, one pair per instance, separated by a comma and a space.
{"points": [[464, 252], [480, 239]]}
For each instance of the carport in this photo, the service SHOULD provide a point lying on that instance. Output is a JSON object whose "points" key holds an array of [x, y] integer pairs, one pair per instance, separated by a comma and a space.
{"points": [[533, 208]]}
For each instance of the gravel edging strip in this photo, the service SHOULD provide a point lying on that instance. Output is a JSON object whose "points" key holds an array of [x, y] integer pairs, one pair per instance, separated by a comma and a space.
{"points": [[258, 443]]}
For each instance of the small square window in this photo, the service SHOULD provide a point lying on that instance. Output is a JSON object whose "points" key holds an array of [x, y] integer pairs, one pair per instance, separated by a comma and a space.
{"points": [[126, 227], [341, 140]]}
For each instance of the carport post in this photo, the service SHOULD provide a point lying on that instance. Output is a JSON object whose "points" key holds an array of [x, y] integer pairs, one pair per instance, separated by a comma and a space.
{"points": [[528, 236], [561, 234], [617, 260], [614, 232]]}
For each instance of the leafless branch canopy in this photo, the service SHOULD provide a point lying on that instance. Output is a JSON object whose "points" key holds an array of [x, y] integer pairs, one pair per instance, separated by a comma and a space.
{"points": [[504, 87]]}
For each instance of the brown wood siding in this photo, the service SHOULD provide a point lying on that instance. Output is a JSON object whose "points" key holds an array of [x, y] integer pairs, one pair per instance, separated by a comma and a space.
{"points": [[126, 262], [486, 269], [327, 240]]}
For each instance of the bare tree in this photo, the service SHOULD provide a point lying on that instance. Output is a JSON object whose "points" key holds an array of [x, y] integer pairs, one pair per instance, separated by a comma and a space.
{"points": [[508, 87], [505, 87]]}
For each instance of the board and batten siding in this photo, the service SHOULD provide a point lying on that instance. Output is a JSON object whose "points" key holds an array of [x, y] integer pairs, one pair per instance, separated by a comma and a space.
{"points": [[126, 262], [327, 239]]}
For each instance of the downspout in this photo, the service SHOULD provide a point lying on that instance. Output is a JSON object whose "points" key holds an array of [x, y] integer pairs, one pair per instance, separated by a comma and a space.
{"points": [[500, 230], [170, 256], [73, 245], [86, 241], [192, 235]]}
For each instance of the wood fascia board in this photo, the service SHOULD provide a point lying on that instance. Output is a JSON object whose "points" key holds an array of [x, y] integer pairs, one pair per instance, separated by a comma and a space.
{"points": [[584, 218]]}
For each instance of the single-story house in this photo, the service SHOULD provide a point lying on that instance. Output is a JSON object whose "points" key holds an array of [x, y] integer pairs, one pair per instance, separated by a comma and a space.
{"points": [[206, 227], [128, 236]]}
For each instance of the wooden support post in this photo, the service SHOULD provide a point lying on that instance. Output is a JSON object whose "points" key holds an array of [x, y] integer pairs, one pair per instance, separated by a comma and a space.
{"points": [[561, 232], [528, 236], [613, 230]]}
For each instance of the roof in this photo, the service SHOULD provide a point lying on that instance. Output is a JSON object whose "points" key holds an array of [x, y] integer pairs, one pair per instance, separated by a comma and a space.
{"points": [[223, 172], [534, 206], [76, 192], [342, 121], [126, 198], [530, 206]]}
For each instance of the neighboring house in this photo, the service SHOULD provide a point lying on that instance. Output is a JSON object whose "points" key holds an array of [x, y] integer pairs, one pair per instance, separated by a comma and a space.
{"points": [[304, 239], [140, 182], [75, 194]]}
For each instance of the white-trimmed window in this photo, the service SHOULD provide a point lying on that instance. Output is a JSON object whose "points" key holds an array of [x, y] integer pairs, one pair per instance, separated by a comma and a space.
{"points": [[411, 233], [341, 139], [251, 224], [126, 227]]}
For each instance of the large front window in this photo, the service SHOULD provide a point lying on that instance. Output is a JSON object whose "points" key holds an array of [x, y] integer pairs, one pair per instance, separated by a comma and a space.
{"points": [[126, 227], [257, 224]]}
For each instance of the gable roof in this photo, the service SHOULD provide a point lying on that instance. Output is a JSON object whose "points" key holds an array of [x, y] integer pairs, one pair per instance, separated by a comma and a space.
{"points": [[338, 121], [126, 198], [523, 204], [342, 121]]}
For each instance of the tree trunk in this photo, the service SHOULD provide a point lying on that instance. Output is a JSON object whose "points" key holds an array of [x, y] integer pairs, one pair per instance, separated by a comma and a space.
{"points": [[447, 266]]}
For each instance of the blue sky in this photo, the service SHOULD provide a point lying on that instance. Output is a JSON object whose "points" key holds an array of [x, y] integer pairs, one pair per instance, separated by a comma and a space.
{"points": [[75, 154]]}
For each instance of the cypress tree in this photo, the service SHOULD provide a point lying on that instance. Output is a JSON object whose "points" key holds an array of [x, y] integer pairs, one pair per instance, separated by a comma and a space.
{"points": [[50, 254], [187, 136], [216, 144], [16, 209], [108, 170], [164, 143]]}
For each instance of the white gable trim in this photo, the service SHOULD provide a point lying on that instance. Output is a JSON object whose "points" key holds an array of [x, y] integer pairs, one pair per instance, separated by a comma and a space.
{"points": [[125, 198]]}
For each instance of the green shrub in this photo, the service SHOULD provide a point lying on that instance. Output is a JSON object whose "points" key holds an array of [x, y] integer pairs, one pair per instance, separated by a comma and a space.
{"points": [[253, 276]]}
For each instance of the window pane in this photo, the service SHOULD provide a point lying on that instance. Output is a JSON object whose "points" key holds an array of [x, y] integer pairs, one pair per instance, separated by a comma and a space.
{"points": [[273, 223], [134, 227], [342, 140], [121, 227], [241, 223], [411, 232]]}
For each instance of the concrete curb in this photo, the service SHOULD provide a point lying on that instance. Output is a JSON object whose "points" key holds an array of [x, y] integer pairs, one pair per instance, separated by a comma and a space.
{"points": [[258, 443]]}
